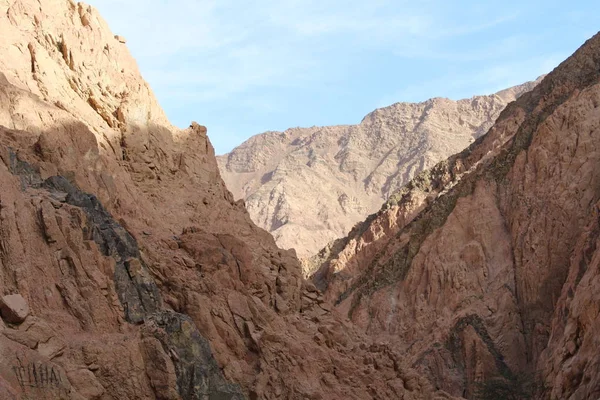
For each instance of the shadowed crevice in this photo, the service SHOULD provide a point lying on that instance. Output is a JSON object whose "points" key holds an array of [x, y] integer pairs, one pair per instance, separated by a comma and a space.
{"points": [[198, 373]]}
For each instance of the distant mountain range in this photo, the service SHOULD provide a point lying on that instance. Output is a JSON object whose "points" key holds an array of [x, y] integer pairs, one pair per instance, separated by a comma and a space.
{"points": [[309, 186]]}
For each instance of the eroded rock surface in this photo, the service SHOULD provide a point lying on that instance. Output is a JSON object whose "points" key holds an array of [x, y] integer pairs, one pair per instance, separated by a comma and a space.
{"points": [[309, 186], [487, 265], [144, 278]]}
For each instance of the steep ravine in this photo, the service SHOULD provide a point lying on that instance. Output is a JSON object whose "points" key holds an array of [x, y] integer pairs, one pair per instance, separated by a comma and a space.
{"points": [[127, 270], [308, 186], [474, 267]]}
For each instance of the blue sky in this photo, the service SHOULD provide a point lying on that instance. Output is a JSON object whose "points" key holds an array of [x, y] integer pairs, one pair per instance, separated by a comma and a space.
{"points": [[245, 67]]}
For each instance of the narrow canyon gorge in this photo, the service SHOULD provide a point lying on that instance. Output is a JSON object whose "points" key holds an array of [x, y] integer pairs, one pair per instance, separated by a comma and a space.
{"points": [[129, 270]]}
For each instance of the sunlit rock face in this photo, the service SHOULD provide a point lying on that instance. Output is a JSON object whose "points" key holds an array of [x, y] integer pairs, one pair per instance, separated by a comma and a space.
{"points": [[309, 186]]}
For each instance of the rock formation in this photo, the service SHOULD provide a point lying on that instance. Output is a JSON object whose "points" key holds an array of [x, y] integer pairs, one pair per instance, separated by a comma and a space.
{"points": [[487, 266], [311, 186], [127, 270]]}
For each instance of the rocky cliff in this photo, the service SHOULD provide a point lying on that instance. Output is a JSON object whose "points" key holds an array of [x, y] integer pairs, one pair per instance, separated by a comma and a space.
{"points": [[311, 186], [127, 270], [486, 267]]}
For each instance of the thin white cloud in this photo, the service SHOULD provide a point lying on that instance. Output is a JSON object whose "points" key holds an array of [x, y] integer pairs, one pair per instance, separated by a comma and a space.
{"points": [[499, 49], [489, 80], [367, 19], [472, 27], [225, 50]]}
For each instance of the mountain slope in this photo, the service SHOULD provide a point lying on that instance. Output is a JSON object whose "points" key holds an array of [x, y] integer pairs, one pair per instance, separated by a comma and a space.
{"points": [[487, 265], [126, 269], [310, 186]]}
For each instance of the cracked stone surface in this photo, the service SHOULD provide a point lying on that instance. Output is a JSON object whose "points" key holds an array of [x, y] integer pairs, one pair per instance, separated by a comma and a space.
{"points": [[487, 264], [144, 278]]}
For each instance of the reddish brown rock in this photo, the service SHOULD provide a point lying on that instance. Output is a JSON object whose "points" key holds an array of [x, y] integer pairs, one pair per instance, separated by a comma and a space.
{"points": [[14, 308], [84, 381], [484, 266], [144, 277]]}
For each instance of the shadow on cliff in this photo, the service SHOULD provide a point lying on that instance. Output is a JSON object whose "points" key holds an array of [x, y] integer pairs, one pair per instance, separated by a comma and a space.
{"points": [[67, 162]]}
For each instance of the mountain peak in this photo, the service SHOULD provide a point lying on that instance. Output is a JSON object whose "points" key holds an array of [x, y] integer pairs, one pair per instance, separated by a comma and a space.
{"points": [[353, 168]]}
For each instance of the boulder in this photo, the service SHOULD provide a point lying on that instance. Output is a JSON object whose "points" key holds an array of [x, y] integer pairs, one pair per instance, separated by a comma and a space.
{"points": [[14, 309]]}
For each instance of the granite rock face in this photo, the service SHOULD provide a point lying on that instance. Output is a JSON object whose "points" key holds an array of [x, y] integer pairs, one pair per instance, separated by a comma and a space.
{"points": [[144, 278], [486, 265], [310, 186]]}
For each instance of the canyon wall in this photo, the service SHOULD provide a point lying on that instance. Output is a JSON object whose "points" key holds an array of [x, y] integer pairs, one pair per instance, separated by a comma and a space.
{"points": [[127, 270], [486, 266]]}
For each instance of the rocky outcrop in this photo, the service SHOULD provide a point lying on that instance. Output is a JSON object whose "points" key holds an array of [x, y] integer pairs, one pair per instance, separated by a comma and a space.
{"points": [[485, 265], [311, 186], [143, 277], [14, 308], [139, 296]]}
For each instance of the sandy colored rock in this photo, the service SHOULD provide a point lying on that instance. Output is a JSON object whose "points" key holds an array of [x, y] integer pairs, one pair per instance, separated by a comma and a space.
{"points": [[14, 308], [309, 186]]}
